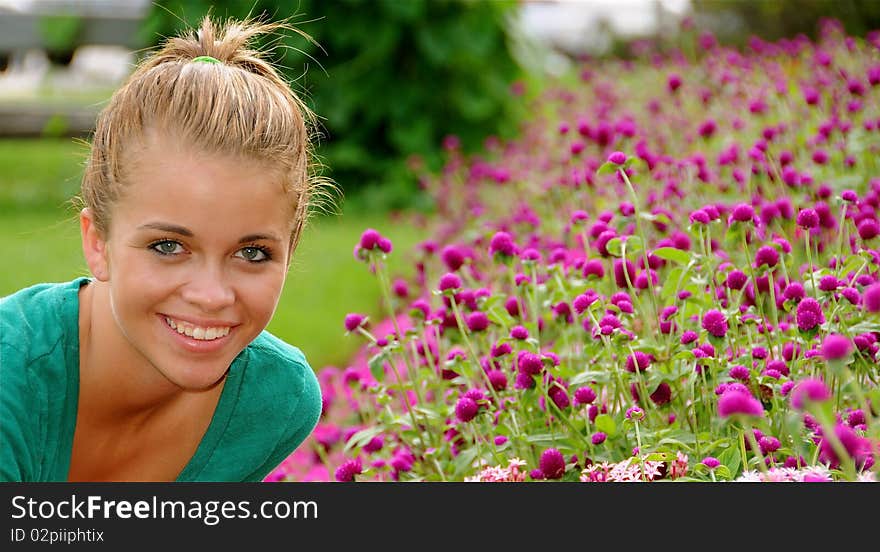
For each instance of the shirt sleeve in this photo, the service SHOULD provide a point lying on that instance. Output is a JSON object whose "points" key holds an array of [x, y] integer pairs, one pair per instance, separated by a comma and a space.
{"points": [[302, 420]]}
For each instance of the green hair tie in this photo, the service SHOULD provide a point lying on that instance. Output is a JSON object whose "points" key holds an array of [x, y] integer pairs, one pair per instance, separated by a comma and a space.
{"points": [[205, 59]]}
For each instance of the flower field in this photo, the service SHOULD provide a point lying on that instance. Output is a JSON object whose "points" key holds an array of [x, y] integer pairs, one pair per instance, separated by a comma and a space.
{"points": [[673, 274]]}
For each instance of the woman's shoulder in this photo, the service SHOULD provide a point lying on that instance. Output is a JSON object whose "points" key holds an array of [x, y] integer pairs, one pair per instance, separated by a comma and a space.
{"points": [[37, 316], [279, 371]]}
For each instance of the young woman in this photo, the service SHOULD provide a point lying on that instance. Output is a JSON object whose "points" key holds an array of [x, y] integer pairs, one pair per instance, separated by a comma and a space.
{"points": [[158, 366]]}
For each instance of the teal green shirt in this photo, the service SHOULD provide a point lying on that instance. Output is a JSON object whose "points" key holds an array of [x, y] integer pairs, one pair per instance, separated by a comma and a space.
{"points": [[270, 403]]}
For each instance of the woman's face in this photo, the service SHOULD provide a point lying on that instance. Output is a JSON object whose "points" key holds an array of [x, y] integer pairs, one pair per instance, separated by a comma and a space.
{"points": [[196, 258]]}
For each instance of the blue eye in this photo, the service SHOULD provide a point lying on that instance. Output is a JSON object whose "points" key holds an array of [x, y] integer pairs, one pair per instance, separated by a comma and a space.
{"points": [[254, 254], [167, 247]]}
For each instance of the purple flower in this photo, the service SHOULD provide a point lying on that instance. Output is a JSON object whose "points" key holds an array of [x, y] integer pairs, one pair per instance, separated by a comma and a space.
{"points": [[530, 364], [498, 379], [643, 360], [809, 314], [477, 321], [349, 469], [450, 281], [617, 157], [466, 409], [836, 346], [742, 213], [736, 279], [868, 229], [689, 337], [794, 291], [634, 413], [857, 447], [808, 218], [370, 238], [593, 267], [384, 244], [733, 402], [598, 438], [519, 333], [710, 462], [584, 395], [353, 321], [715, 323], [766, 255], [871, 298], [662, 395], [810, 389], [502, 244], [739, 372], [552, 464]]}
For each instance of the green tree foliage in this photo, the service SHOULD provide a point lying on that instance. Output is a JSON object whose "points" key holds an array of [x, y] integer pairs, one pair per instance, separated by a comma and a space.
{"points": [[735, 20], [390, 80]]}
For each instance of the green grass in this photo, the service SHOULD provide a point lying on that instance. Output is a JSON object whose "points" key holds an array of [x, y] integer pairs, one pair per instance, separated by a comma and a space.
{"points": [[41, 244]]}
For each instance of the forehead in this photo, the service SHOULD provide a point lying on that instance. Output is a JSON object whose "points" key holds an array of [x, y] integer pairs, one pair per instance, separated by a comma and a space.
{"points": [[215, 191]]}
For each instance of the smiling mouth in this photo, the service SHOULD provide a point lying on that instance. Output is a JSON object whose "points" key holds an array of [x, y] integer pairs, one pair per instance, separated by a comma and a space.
{"points": [[197, 332]]}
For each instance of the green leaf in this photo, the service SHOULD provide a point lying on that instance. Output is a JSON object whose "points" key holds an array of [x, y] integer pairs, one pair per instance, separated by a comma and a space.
{"points": [[361, 438], [615, 247], [672, 254], [730, 458], [546, 439], [606, 425], [376, 368], [607, 168], [464, 462]]}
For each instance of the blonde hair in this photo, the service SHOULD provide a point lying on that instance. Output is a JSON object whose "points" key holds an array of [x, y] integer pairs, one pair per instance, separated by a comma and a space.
{"points": [[240, 106]]}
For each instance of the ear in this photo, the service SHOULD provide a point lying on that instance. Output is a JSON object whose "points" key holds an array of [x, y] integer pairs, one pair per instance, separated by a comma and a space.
{"points": [[94, 246]]}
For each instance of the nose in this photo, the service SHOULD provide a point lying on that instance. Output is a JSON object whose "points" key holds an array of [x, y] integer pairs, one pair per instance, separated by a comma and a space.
{"points": [[209, 290]]}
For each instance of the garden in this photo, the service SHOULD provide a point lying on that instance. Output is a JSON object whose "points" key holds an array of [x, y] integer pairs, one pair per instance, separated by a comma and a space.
{"points": [[670, 274]]}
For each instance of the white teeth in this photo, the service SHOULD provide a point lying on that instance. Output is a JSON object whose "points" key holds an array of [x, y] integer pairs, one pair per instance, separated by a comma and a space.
{"points": [[197, 332]]}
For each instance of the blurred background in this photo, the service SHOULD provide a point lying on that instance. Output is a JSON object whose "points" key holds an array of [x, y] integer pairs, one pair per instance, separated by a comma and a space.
{"points": [[392, 80]]}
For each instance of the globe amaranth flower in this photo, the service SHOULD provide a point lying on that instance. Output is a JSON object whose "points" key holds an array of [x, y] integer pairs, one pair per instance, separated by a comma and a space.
{"points": [[742, 212], [519, 333], [689, 336], [617, 157], [643, 360], [739, 372], [807, 391], [477, 321], [450, 282], [530, 364], [598, 438], [715, 323], [857, 447], [552, 464], [809, 314], [808, 218], [794, 291], [710, 462], [736, 402], [871, 298], [502, 244], [584, 395], [736, 279], [593, 268], [370, 239], [634, 413], [766, 255], [868, 229], [348, 470], [466, 409], [836, 346], [353, 321], [828, 283]]}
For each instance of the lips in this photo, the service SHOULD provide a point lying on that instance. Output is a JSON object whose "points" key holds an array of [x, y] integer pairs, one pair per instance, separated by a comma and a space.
{"points": [[207, 337]]}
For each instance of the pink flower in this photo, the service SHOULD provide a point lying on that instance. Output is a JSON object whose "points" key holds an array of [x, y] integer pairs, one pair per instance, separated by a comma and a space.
{"points": [[733, 402]]}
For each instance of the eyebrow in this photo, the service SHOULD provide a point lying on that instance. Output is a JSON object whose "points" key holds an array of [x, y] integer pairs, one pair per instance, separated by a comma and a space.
{"points": [[180, 230]]}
